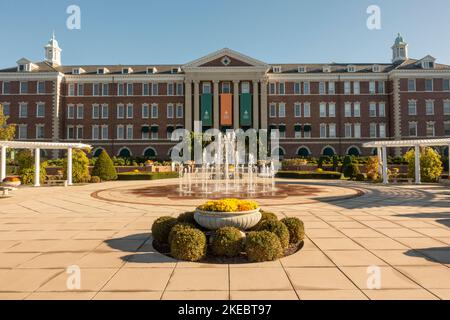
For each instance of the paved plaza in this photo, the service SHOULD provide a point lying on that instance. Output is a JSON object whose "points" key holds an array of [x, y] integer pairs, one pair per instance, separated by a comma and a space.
{"points": [[402, 230]]}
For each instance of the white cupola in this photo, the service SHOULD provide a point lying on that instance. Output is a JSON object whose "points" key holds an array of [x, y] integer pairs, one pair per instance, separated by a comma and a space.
{"points": [[53, 51], [399, 50]]}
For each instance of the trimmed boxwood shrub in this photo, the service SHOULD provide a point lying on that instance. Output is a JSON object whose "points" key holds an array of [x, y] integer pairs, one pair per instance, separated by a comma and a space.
{"points": [[263, 246], [176, 228], [265, 216], [296, 229], [104, 168], [80, 167], [161, 229], [279, 229], [187, 217], [188, 244], [324, 175], [227, 242], [128, 176]]}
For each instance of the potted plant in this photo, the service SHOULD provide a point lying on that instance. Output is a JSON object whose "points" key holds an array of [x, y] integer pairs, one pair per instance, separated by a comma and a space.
{"points": [[12, 181], [241, 214]]}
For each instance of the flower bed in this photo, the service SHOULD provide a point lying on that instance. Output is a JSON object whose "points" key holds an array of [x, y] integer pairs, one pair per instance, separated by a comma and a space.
{"points": [[184, 239]]}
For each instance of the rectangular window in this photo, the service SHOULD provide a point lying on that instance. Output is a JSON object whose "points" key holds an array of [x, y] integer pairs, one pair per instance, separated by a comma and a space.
{"points": [[95, 111], [155, 89], [80, 111], [120, 89], [23, 110], [446, 85], [428, 84], [332, 110], [412, 129], [129, 132], [170, 111], [430, 129], [120, 111], [273, 110], [331, 88], [80, 133], [347, 87], [40, 87], [322, 89], [429, 107], [130, 111], [297, 87], [411, 85], [356, 87], [23, 132], [120, 134], [105, 89], [6, 87], [40, 131], [447, 128], [272, 88], [357, 110], [447, 108], [373, 130], [245, 87], [412, 108], [347, 110], [323, 130], [357, 130], [180, 111], [105, 132], [105, 111], [145, 89], [381, 87], [145, 111], [70, 111], [382, 109], [348, 130], [154, 111], [96, 89], [373, 110], [306, 88], [81, 89], [307, 133], [95, 133], [170, 89], [6, 109], [382, 130], [306, 110], [332, 130], [372, 87], [297, 110], [281, 88], [23, 87], [70, 132], [323, 110], [130, 89], [206, 88], [154, 135], [180, 89], [282, 110], [40, 110], [71, 91]]}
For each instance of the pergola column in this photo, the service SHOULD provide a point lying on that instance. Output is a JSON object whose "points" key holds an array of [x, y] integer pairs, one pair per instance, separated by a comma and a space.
{"points": [[380, 161], [69, 166], [37, 167], [3, 164], [417, 164], [385, 166]]}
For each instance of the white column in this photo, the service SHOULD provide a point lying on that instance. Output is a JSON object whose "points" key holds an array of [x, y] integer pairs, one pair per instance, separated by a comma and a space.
{"points": [[69, 166], [385, 166], [3, 164], [196, 101], [417, 164], [264, 104], [236, 115], [255, 105], [380, 161], [216, 105], [188, 105], [37, 167]]}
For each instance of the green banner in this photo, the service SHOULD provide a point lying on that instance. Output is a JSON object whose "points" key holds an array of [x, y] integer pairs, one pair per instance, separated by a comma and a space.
{"points": [[246, 109], [206, 109]]}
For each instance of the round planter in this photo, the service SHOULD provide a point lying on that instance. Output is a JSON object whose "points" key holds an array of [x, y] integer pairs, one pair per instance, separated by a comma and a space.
{"points": [[13, 184], [216, 220]]}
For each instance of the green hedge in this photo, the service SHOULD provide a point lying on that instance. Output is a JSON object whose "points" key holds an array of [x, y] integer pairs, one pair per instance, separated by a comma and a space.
{"points": [[325, 175], [127, 176]]}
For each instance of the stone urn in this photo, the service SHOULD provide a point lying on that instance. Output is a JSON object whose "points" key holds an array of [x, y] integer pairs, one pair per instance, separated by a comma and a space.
{"points": [[216, 220], [13, 182]]}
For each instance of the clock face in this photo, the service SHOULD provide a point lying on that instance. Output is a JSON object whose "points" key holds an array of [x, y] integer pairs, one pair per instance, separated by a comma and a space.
{"points": [[226, 61]]}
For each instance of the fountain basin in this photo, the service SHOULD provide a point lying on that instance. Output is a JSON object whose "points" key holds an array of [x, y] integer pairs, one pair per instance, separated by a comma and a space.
{"points": [[216, 220]]}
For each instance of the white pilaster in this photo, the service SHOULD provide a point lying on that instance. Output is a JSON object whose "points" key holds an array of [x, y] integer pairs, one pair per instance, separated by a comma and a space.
{"points": [[196, 101], [236, 115], [417, 164], [69, 166], [188, 105], [264, 119], [3, 164], [255, 105], [37, 167], [216, 104]]}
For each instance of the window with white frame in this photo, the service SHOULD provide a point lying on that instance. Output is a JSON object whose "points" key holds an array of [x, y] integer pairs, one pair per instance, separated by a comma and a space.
{"points": [[70, 132], [71, 90], [372, 87], [347, 110], [282, 131], [6, 109], [447, 128], [23, 132], [412, 107], [80, 132], [95, 111], [306, 88], [282, 110], [357, 130], [170, 111], [105, 89], [245, 87], [381, 87], [322, 89], [180, 111], [297, 88], [6, 87], [412, 129], [273, 110], [40, 110], [306, 110], [130, 89], [430, 129], [80, 111], [382, 128], [40, 131], [180, 89], [281, 88], [332, 130], [154, 133], [357, 110], [120, 134], [429, 107], [95, 89], [332, 110], [120, 89], [297, 109], [331, 88], [356, 87], [129, 132], [145, 111], [348, 130], [323, 110], [23, 110], [120, 111], [145, 134], [80, 89], [347, 87], [428, 84], [130, 111], [95, 132], [306, 133], [206, 88], [373, 130], [105, 111], [40, 89], [23, 87], [155, 89], [382, 109], [323, 130], [105, 132], [154, 111], [272, 88], [297, 131], [170, 91], [70, 111], [446, 85], [372, 109], [411, 85], [145, 89], [446, 107]]}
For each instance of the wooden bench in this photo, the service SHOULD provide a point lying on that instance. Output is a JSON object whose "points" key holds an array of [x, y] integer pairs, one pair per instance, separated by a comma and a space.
{"points": [[56, 183], [6, 190]]}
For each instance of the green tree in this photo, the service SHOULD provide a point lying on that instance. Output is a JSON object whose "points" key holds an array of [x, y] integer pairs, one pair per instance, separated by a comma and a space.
{"points": [[7, 131], [373, 168], [104, 168], [80, 167], [430, 164]]}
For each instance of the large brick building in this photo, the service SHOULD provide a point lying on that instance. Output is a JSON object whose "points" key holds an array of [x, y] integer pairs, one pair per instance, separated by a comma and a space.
{"points": [[318, 108]]}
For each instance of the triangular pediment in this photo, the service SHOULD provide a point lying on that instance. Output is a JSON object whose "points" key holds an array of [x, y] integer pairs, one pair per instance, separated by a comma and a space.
{"points": [[225, 58]]}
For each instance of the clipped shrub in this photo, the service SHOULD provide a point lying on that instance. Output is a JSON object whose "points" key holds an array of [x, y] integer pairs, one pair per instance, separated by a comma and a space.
{"points": [[176, 228], [187, 217], [80, 167], [361, 177], [227, 242], [263, 246], [161, 229], [430, 164], [104, 168], [188, 244], [279, 229], [296, 229], [95, 179], [265, 216]]}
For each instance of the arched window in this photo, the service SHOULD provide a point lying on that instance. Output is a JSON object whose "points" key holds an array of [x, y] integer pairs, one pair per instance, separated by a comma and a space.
{"points": [[353, 151], [97, 152], [124, 153], [374, 151], [281, 152], [303, 152], [150, 153], [328, 151]]}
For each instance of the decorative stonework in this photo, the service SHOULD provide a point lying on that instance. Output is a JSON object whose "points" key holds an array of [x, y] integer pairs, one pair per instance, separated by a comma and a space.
{"points": [[397, 113]]}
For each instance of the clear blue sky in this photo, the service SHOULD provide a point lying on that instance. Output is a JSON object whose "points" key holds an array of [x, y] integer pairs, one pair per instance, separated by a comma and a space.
{"points": [[175, 31]]}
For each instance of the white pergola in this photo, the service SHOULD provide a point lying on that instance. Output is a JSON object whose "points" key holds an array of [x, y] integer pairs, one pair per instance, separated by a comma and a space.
{"points": [[417, 144], [37, 147]]}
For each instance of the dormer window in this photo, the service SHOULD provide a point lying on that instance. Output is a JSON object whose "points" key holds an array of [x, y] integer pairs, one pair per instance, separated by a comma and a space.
{"points": [[22, 67], [175, 70], [301, 69], [77, 71], [376, 68], [327, 69], [25, 65], [428, 64], [127, 70], [276, 69], [351, 69], [152, 70]]}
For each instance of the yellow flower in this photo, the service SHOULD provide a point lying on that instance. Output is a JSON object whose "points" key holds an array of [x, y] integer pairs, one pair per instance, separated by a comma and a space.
{"points": [[229, 205]]}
